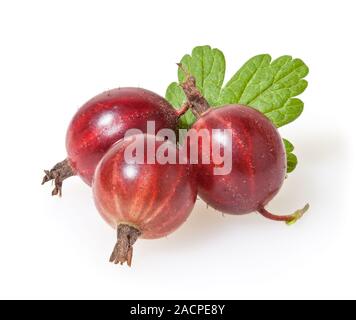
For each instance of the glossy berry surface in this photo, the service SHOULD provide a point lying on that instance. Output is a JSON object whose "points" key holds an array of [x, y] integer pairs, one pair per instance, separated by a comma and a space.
{"points": [[142, 200], [104, 120], [258, 160]]}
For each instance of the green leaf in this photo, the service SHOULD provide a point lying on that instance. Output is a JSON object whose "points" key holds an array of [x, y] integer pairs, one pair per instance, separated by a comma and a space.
{"points": [[269, 86], [207, 65], [254, 76], [292, 159], [288, 146], [176, 97]]}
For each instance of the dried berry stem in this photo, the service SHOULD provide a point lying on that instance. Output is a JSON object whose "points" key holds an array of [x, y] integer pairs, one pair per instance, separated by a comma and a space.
{"points": [[185, 107], [126, 237], [195, 100], [58, 174], [288, 219]]}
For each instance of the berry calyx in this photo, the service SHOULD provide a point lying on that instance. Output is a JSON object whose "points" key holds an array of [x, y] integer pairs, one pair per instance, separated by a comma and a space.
{"points": [[58, 174], [126, 238]]}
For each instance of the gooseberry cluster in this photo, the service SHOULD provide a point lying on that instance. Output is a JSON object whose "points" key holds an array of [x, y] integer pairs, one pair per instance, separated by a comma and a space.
{"points": [[152, 199]]}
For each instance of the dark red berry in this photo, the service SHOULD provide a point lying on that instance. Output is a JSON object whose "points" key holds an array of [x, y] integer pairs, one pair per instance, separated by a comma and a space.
{"points": [[104, 120], [258, 158], [142, 200]]}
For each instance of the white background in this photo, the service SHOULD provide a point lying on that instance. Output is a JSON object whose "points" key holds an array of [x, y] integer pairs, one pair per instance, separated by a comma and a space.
{"points": [[55, 55]]}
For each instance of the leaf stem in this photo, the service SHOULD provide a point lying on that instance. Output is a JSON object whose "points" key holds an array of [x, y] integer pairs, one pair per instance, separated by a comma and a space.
{"points": [[185, 107]]}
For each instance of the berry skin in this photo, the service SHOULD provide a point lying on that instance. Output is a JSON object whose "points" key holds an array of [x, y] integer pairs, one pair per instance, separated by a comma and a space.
{"points": [[104, 120], [142, 200], [258, 161]]}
